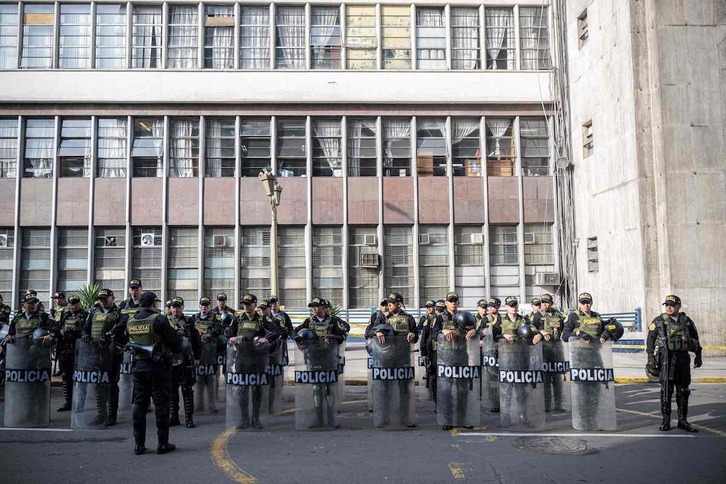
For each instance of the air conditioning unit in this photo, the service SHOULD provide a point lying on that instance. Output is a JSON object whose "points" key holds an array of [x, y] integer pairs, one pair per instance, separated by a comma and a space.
{"points": [[368, 260], [424, 239], [147, 240], [477, 238], [110, 241], [219, 241], [529, 238], [370, 239], [546, 279], [3, 240]]}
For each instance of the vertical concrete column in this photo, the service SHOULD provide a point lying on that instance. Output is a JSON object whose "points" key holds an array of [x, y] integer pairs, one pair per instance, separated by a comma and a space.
{"points": [[237, 228], [237, 22], [520, 226], [485, 188], [165, 209], [345, 238], [14, 296], [415, 228], [92, 201], [379, 229], [450, 181], [200, 214], [129, 172], [54, 207], [309, 221]]}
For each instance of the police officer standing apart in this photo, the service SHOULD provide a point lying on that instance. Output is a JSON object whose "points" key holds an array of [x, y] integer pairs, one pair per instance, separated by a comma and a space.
{"points": [[69, 329], [182, 374], [674, 334]]}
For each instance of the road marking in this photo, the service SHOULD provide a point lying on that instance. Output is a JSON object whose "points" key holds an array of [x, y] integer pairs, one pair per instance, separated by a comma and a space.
{"points": [[549, 434], [221, 458], [35, 430], [657, 415], [456, 471]]}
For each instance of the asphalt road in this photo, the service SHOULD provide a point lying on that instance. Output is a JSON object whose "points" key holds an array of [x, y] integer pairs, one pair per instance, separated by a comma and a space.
{"points": [[357, 452]]}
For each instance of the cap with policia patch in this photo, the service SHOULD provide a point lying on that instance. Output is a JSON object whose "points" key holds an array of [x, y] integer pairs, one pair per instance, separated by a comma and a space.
{"points": [[221, 296], [547, 298], [264, 304], [536, 301], [440, 304], [316, 302], [204, 301], [59, 295], [74, 299], [104, 293], [482, 303], [249, 299], [585, 297], [177, 302], [30, 298], [134, 283], [452, 297], [511, 301], [672, 300], [430, 303], [395, 298], [495, 302]]}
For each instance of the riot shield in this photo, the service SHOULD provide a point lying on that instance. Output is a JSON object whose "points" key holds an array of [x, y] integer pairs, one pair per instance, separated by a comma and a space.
{"points": [[392, 381], [458, 376], [341, 372], [490, 374], [592, 385], [91, 386], [220, 389], [126, 386], [205, 387], [521, 389], [423, 389], [27, 384], [247, 384], [556, 373], [369, 387], [316, 392], [276, 370]]}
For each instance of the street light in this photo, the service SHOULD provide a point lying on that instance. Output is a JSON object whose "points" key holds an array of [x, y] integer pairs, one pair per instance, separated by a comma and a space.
{"points": [[273, 191]]}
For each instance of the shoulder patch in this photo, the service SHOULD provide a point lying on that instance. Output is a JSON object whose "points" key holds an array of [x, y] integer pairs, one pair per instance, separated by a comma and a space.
{"points": [[651, 327], [426, 323]]}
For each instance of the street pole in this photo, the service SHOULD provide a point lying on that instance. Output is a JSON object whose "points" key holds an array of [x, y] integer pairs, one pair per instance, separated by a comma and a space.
{"points": [[273, 250]]}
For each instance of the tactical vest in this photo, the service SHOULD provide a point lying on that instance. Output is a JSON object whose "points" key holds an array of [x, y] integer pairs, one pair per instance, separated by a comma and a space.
{"points": [[509, 326], [591, 325], [399, 322], [492, 320], [58, 313], [678, 338], [129, 311], [141, 331], [247, 329], [552, 322], [102, 323], [71, 323], [4, 315], [320, 328], [447, 321], [204, 326], [25, 327], [178, 324]]}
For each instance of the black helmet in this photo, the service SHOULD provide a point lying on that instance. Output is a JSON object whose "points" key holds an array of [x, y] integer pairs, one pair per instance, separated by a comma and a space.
{"points": [[304, 337], [383, 328], [614, 329], [526, 331], [226, 318], [464, 320], [652, 373], [261, 348], [369, 346], [39, 334]]}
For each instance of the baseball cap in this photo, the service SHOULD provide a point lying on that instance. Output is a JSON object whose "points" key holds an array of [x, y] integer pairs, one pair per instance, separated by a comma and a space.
{"points": [[59, 295], [177, 302], [316, 302], [104, 293], [249, 299], [221, 296], [440, 304], [395, 297], [273, 299], [74, 299], [585, 297], [536, 301], [495, 302], [511, 301], [482, 303], [204, 301], [452, 296], [30, 299], [430, 303], [147, 298], [547, 298], [672, 300], [134, 283], [264, 304]]}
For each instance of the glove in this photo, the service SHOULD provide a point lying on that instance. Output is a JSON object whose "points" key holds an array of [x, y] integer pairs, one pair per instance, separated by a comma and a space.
{"points": [[651, 361], [86, 338], [585, 337], [104, 341], [698, 362]]}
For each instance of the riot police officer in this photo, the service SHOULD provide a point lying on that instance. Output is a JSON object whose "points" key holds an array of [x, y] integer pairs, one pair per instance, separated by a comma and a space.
{"points": [[585, 324], [210, 331], [550, 322], [59, 304], [69, 329], [429, 317], [222, 310], [34, 293], [428, 349], [382, 310], [274, 302], [536, 304], [28, 320], [490, 379], [130, 306], [4, 312], [671, 336], [183, 368]]}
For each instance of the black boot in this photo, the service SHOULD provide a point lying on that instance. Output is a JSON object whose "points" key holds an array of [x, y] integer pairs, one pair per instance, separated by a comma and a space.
{"points": [[682, 402], [174, 410], [164, 447], [665, 410], [101, 408], [188, 395], [112, 405], [67, 396]]}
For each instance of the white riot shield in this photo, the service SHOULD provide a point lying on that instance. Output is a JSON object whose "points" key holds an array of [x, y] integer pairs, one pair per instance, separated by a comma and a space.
{"points": [[458, 377], [556, 370], [316, 392], [206, 373], [521, 389], [392, 382], [247, 384], [593, 385], [27, 384], [91, 386], [490, 374], [126, 386]]}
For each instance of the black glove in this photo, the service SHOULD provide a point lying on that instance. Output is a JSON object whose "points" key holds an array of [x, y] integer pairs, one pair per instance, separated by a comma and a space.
{"points": [[585, 337], [86, 338], [651, 361], [698, 362], [104, 341], [228, 332]]}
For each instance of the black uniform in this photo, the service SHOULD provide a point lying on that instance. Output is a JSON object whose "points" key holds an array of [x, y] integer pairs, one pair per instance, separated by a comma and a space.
{"points": [[183, 371], [428, 352], [4, 314], [102, 326], [24, 326], [68, 330], [552, 323], [458, 357]]}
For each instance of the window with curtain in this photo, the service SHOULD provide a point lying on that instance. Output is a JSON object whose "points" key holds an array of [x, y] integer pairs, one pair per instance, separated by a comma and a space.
{"points": [[534, 38], [39, 144], [183, 267], [112, 141], [538, 245], [255, 260], [146, 257], [74, 152], [8, 148], [74, 50], [433, 262], [362, 152], [147, 41], [219, 261], [291, 147], [147, 151], [397, 147], [430, 39], [110, 36], [292, 273], [362, 278], [501, 151], [325, 37], [184, 147], [8, 36], [255, 146], [328, 263], [7, 260], [72, 259], [398, 262], [290, 38], [219, 147], [38, 25], [396, 36], [361, 40], [465, 39], [219, 37], [254, 38], [465, 147], [499, 38], [327, 155], [35, 262], [535, 144], [110, 259], [503, 261], [183, 37], [431, 151]]}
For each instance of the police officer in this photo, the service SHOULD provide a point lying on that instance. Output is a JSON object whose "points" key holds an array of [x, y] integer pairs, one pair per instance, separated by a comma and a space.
{"points": [[34, 293], [429, 317], [28, 320], [274, 302], [59, 304], [4, 312], [152, 372], [183, 367], [550, 323], [428, 349], [210, 330], [481, 313], [585, 324], [130, 306], [486, 329], [69, 329], [536, 304], [674, 334], [395, 316], [101, 326], [222, 310]]}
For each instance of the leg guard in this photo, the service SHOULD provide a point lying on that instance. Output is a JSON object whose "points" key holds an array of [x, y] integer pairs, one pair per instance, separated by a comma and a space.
{"points": [[682, 395]]}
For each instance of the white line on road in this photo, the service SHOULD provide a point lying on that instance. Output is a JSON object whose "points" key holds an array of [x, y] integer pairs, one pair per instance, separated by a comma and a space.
{"points": [[547, 434], [35, 430]]}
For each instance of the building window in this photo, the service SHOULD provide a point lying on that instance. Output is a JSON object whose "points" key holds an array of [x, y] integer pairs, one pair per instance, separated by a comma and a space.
{"points": [[184, 147], [291, 253], [183, 37], [430, 39], [538, 247], [39, 144], [255, 38], [7, 260], [75, 37], [219, 37], [465, 39], [328, 263], [147, 152], [469, 248], [112, 141], [431, 152], [8, 36], [256, 146], [38, 25], [363, 266], [361, 40], [148, 37], [362, 152], [35, 262], [8, 148], [110, 260], [255, 261], [110, 36], [534, 38], [398, 261], [220, 147], [327, 156], [503, 245], [535, 147], [465, 147], [219, 261], [500, 147], [291, 147], [499, 30], [325, 37], [592, 257], [583, 29], [396, 36], [183, 272], [397, 147], [146, 257], [72, 259], [74, 153], [588, 143], [290, 38], [433, 262]]}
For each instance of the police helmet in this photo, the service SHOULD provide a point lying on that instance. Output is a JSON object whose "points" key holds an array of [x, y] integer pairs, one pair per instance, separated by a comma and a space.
{"points": [[652, 373], [369, 346], [226, 318], [464, 320], [39, 334], [304, 337], [614, 329], [526, 332]]}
